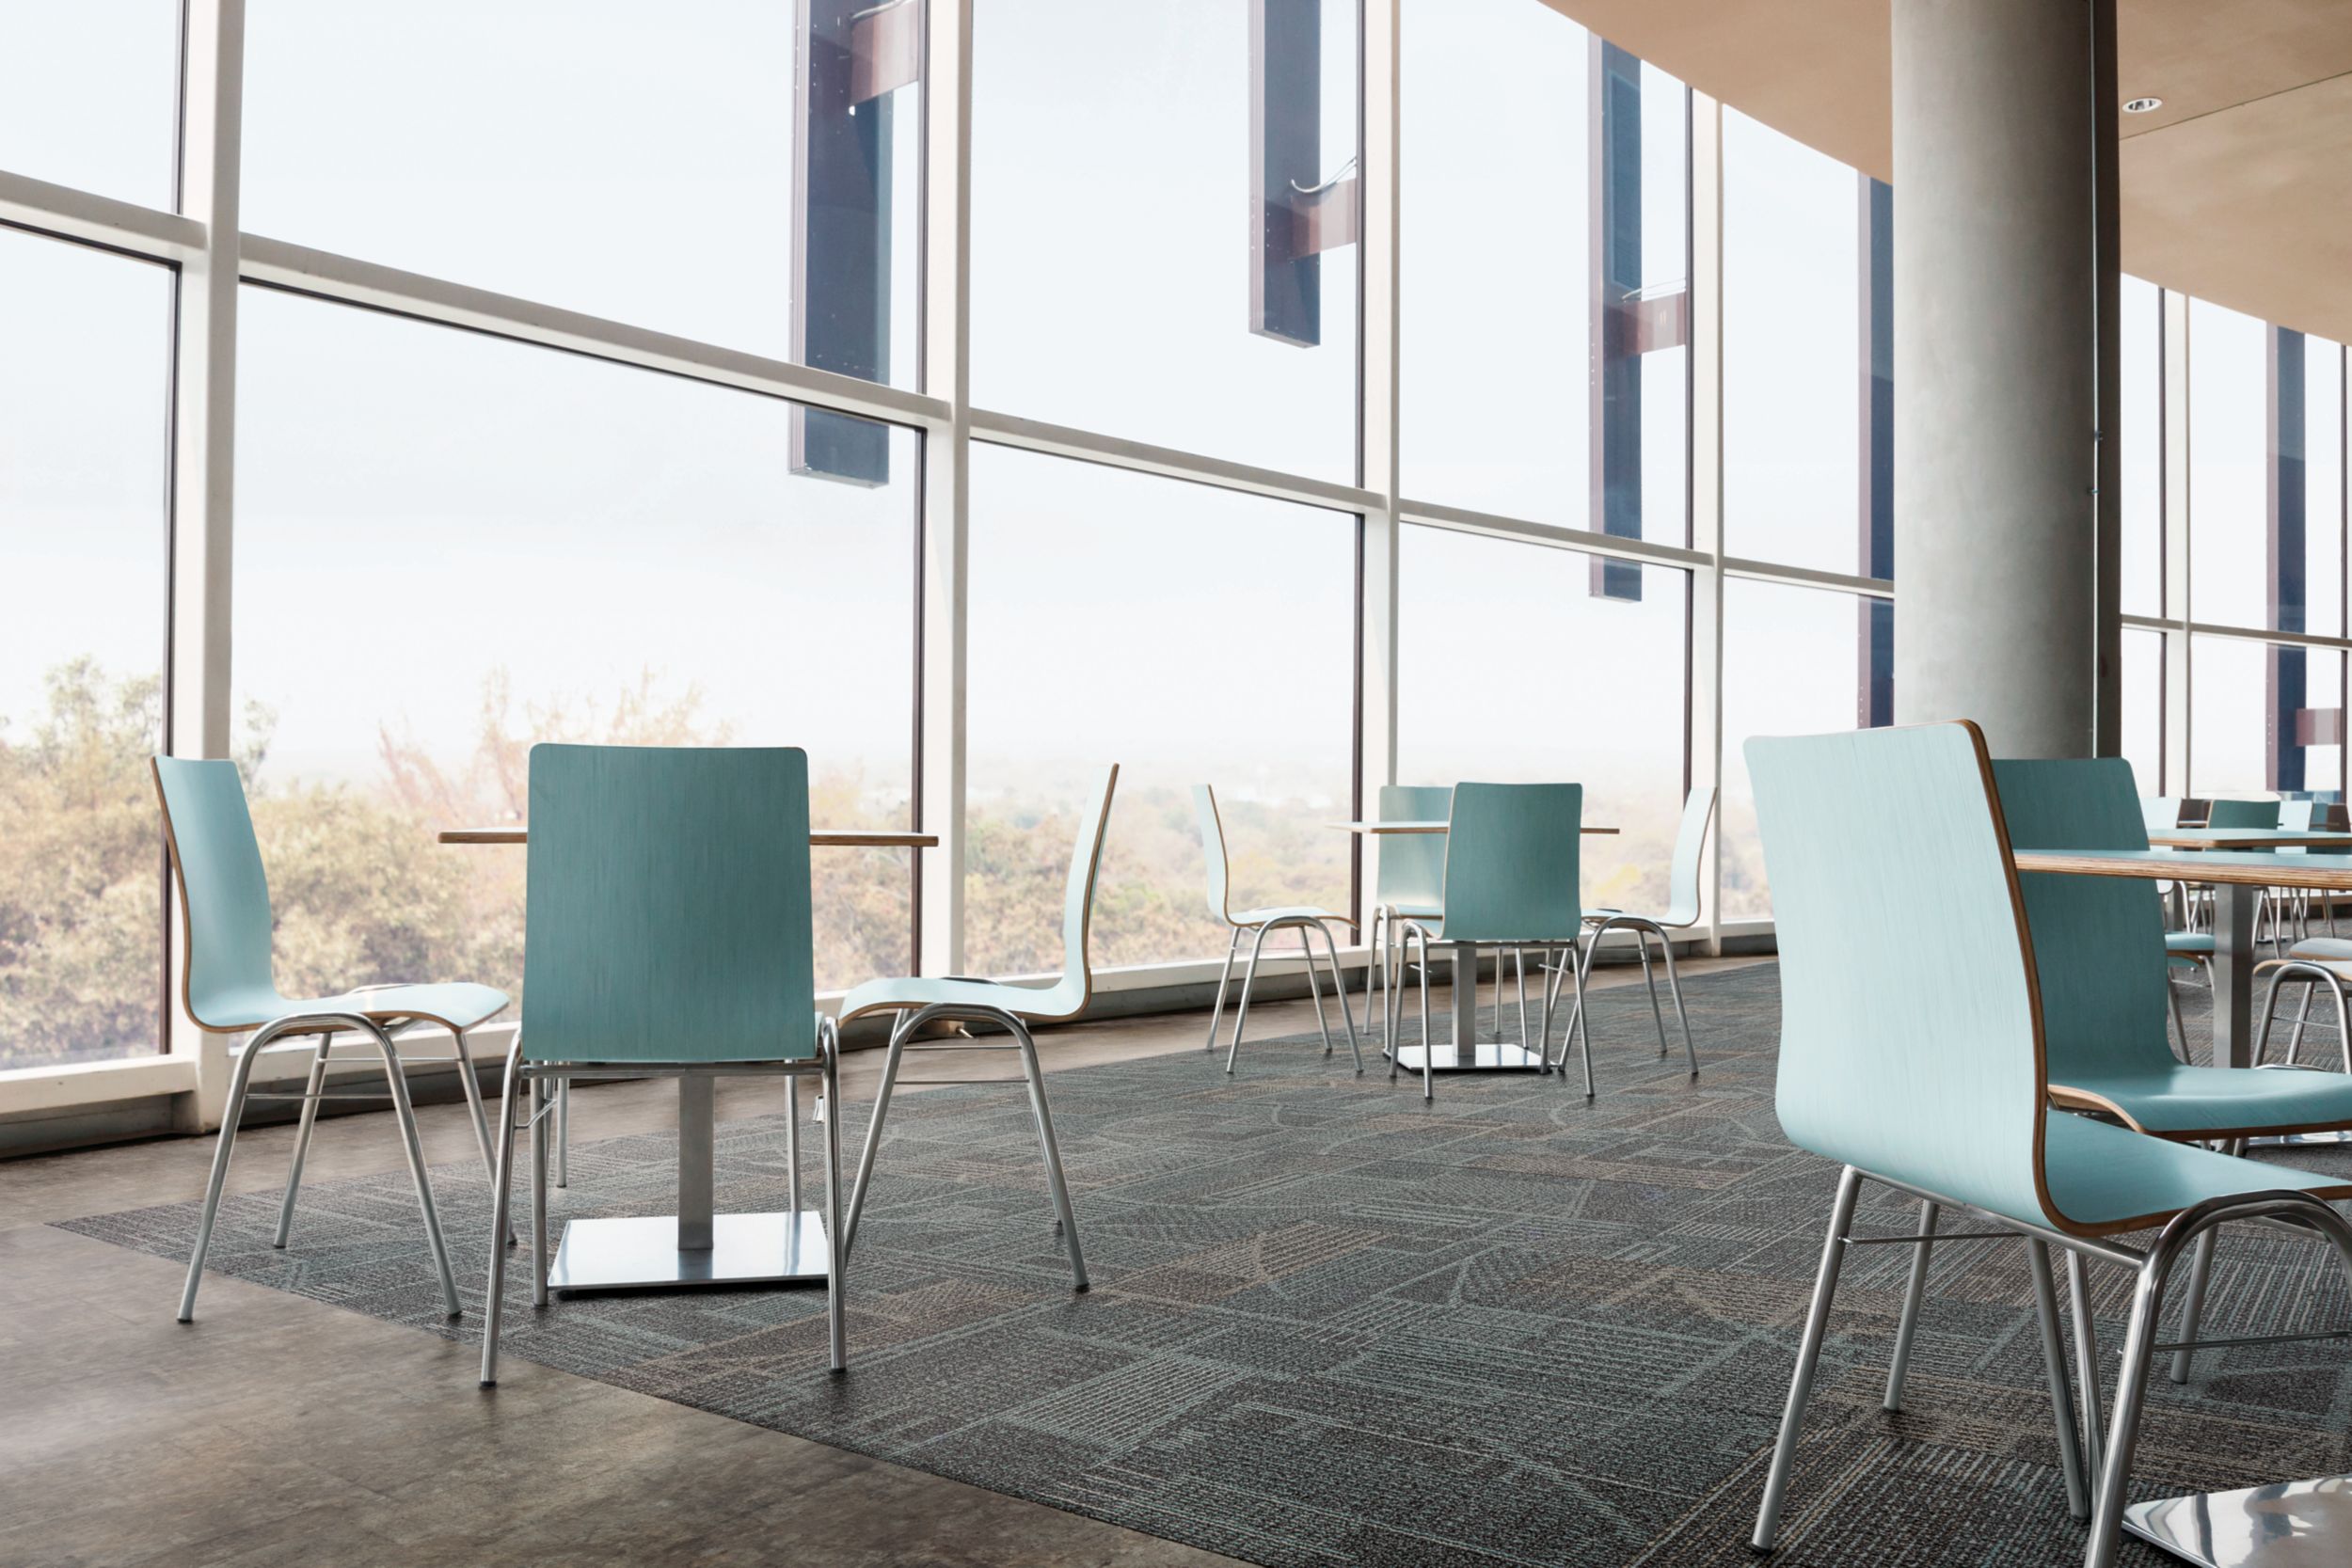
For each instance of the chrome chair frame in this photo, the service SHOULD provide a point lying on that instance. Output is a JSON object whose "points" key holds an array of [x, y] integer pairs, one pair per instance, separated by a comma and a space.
{"points": [[2082, 1454], [326, 1025], [541, 1083], [904, 1029], [1300, 918], [1644, 928], [1302, 925]]}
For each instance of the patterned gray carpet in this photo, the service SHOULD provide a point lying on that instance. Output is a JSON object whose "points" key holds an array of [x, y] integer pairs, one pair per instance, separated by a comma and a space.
{"points": [[1333, 1325]]}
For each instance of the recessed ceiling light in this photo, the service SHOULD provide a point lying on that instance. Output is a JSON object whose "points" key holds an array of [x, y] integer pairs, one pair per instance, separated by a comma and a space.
{"points": [[2141, 105]]}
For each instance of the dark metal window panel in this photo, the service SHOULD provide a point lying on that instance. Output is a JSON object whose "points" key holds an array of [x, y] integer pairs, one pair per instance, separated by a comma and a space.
{"points": [[853, 55]]}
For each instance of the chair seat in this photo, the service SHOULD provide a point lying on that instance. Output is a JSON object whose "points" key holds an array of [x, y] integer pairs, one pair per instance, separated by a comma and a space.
{"points": [[453, 1005], [2103, 1177], [2180, 1100], [2326, 950], [2189, 944], [1423, 912], [1039, 1004], [1248, 918]]}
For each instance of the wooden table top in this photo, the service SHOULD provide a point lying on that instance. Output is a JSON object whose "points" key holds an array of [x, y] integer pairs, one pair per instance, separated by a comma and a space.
{"points": [[2251, 838], [2248, 867], [1404, 826], [822, 838]]}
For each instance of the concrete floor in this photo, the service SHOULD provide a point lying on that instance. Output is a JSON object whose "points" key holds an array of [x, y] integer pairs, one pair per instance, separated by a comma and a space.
{"points": [[280, 1430]]}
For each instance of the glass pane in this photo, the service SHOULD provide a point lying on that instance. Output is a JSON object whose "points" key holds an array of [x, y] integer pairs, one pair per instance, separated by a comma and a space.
{"points": [[2255, 710], [1116, 275], [84, 387], [1531, 609], [1796, 661], [450, 546], [2143, 709], [1793, 351], [1497, 255], [90, 95], [632, 161], [2141, 392], [2229, 467], [1110, 623]]}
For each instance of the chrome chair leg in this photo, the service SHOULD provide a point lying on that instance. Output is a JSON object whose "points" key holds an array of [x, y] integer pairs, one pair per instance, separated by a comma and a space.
{"points": [[899, 1032], [1914, 1289], [473, 1085], [2302, 1019], [1641, 945], [1315, 987], [1216, 1013], [1339, 984], [240, 1079], [544, 1094], [313, 1088], [2199, 1276], [1674, 984], [837, 1241], [2053, 1369], [1067, 1219], [1581, 1025], [2085, 1359], [1808, 1357], [1249, 984], [2180, 1030], [494, 1296], [564, 1134], [1519, 966], [792, 1145], [396, 1077]]}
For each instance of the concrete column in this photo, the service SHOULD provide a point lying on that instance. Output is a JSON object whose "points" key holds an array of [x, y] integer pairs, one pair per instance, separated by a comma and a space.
{"points": [[1995, 361]]}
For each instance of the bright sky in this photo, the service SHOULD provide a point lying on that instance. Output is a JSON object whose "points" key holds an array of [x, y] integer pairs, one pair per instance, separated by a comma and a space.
{"points": [[417, 506]]}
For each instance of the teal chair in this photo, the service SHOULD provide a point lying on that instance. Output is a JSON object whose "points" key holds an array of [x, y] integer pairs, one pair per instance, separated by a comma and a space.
{"points": [[1891, 871], [919, 1003], [666, 933], [1681, 915], [1511, 883], [2102, 978], [1260, 923], [1409, 886], [227, 988]]}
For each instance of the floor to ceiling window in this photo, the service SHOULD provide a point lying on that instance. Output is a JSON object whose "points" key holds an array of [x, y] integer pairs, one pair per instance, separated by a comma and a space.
{"points": [[1566, 682], [84, 419], [1164, 223], [735, 171], [450, 548], [1188, 634]]}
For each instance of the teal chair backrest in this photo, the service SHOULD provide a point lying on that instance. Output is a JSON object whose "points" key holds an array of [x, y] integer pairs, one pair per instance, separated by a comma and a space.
{"points": [[2243, 814], [1412, 865], [1213, 850], [1078, 905], [1910, 1024], [1511, 863], [2160, 814], [223, 892], [2098, 942], [1682, 889], [666, 913]]}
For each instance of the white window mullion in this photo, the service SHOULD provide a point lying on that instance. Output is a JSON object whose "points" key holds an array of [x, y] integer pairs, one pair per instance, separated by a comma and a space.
{"points": [[947, 480], [203, 425], [1378, 390], [1706, 486]]}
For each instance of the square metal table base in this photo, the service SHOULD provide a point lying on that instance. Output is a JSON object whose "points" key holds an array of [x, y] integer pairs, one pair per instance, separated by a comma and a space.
{"points": [[2290, 1524], [644, 1254], [1485, 1056]]}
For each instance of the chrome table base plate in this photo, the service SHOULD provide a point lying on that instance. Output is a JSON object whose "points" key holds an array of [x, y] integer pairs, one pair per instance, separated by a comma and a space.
{"points": [[1485, 1056], [2291, 1524], [642, 1253]]}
